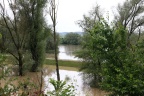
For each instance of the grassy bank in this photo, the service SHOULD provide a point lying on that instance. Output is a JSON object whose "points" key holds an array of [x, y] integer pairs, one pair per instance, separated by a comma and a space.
{"points": [[50, 61], [65, 63]]}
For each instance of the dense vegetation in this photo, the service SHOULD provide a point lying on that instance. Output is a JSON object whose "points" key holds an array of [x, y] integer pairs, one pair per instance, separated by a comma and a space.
{"points": [[38, 31], [112, 54], [24, 35]]}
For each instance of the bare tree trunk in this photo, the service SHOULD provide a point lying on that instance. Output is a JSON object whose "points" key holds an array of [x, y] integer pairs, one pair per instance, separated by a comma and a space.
{"points": [[56, 56], [53, 18], [55, 43]]}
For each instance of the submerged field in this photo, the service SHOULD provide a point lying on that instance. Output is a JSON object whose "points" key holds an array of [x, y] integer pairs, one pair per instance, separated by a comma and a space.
{"points": [[66, 63]]}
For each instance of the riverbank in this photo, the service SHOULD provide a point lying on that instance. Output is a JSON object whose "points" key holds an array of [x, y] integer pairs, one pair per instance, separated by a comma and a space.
{"points": [[66, 63]]}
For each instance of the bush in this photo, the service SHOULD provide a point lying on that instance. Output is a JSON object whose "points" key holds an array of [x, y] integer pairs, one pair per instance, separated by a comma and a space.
{"points": [[61, 89]]}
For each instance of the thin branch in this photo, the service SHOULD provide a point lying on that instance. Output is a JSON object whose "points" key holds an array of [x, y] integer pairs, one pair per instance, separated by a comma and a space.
{"points": [[13, 55], [12, 7], [9, 29]]}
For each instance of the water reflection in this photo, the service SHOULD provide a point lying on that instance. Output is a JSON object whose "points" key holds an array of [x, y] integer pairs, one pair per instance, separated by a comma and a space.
{"points": [[76, 79], [66, 52]]}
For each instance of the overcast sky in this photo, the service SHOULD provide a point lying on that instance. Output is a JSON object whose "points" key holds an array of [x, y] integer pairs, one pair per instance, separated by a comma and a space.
{"points": [[70, 11]]}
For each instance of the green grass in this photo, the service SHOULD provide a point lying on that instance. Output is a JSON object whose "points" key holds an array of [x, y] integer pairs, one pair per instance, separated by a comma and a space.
{"points": [[65, 63]]}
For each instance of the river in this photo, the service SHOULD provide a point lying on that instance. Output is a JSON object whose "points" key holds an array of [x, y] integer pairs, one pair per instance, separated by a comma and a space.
{"points": [[66, 52], [75, 77]]}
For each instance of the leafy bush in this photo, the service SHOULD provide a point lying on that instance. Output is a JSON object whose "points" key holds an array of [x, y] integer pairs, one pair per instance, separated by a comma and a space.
{"points": [[61, 89], [119, 63]]}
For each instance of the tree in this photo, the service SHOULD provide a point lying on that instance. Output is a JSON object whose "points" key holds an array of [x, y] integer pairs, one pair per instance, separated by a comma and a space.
{"points": [[24, 30], [123, 67], [72, 38], [37, 34], [89, 20], [52, 13], [91, 61], [4, 39], [0, 40], [38, 31], [130, 15], [12, 23], [107, 55], [50, 43]]}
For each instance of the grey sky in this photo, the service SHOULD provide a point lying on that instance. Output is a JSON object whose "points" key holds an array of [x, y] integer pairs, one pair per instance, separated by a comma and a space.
{"points": [[70, 11]]}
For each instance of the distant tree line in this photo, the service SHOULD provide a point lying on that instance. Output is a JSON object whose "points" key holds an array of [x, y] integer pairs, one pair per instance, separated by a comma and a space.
{"points": [[71, 38]]}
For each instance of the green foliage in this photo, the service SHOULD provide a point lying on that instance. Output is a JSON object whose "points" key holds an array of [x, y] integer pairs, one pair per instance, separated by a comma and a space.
{"points": [[61, 89], [38, 33], [1, 58], [28, 62], [71, 38], [121, 65], [90, 55], [13, 39], [92, 65], [114, 54], [50, 42]]}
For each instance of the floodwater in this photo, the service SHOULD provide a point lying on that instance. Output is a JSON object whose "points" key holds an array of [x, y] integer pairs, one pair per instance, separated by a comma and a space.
{"points": [[75, 77], [66, 52]]}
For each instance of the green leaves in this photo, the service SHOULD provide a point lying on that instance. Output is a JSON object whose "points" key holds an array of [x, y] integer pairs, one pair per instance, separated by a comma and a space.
{"points": [[124, 68], [61, 89], [121, 65], [116, 53]]}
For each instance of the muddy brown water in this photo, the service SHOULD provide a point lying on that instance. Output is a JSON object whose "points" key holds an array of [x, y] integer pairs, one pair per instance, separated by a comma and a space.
{"points": [[66, 52], [74, 76]]}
